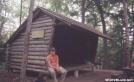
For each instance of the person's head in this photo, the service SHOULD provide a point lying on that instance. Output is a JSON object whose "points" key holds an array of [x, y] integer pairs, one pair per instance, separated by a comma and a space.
{"points": [[52, 51]]}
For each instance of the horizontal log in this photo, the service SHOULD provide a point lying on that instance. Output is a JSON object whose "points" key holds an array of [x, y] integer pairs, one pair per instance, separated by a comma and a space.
{"points": [[17, 43], [38, 53], [42, 25], [45, 38], [38, 46], [48, 34], [39, 70], [42, 18], [23, 34], [28, 66], [48, 31], [17, 49], [39, 42], [15, 67], [37, 58], [31, 53], [16, 53], [43, 21], [16, 60], [38, 49], [16, 56], [12, 47], [29, 57], [36, 67], [15, 64], [34, 62], [21, 37], [19, 40], [32, 69], [41, 28]]}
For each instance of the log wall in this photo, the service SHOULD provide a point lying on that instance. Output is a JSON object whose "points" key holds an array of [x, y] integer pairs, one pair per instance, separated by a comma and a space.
{"points": [[38, 47]]}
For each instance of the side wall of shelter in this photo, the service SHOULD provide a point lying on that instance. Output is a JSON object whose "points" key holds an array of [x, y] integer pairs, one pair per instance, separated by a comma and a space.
{"points": [[38, 47]]}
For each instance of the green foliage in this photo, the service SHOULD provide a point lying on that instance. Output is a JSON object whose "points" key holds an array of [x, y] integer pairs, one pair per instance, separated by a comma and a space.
{"points": [[2, 65]]}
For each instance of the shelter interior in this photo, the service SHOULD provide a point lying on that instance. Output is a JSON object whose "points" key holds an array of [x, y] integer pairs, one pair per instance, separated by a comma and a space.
{"points": [[74, 46]]}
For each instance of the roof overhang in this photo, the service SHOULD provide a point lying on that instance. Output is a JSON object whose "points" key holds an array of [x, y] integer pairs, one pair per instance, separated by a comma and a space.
{"points": [[61, 18]]}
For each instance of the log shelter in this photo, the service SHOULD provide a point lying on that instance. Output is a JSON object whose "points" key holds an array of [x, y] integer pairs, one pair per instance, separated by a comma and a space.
{"points": [[74, 42]]}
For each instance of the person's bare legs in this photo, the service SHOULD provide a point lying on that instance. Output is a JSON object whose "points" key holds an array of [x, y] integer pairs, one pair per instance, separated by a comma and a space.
{"points": [[63, 74], [53, 74]]}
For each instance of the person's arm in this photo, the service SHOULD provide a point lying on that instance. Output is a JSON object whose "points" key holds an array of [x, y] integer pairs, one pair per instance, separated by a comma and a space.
{"points": [[49, 65], [58, 63]]}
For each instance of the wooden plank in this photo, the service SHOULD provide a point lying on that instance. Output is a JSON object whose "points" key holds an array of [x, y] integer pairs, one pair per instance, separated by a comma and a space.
{"points": [[16, 53], [77, 67], [16, 60], [32, 69], [38, 49], [39, 70], [38, 46], [48, 34], [19, 40], [41, 28], [45, 38], [42, 25], [17, 47], [42, 18], [43, 21], [38, 42], [36, 62], [29, 57], [21, 37], [17, 43], [37, 58], [32, 62], [22, 34], [36, 67], [17, 50], [38, 53], [15, 67], [48, 31], [16, 56], [16, 64]]}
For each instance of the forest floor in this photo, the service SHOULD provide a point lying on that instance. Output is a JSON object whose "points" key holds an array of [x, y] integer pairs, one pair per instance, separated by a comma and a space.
{"points": [[85, 75]]}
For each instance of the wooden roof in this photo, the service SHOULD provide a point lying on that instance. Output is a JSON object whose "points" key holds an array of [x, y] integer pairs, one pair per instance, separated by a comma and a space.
{"points": [[61, 18]]}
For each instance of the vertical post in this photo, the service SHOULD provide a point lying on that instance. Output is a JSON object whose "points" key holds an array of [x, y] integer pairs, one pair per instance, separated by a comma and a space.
{"points": [[26, 42], [76, 73], [52, 34], [7, 57]]}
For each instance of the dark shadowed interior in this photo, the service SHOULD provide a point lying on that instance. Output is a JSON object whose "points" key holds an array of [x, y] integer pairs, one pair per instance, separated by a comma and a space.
{"points": [[74, 46]]}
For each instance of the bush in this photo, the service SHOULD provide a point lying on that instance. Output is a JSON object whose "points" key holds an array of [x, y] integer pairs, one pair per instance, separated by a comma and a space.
{"points": [[2, 65]]}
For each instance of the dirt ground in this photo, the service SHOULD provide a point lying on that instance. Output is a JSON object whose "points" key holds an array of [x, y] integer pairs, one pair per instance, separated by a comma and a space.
{"points": [[84, 76]]}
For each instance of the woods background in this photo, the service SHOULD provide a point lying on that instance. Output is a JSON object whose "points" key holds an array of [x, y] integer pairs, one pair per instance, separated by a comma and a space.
{"points": [[107, 16]]}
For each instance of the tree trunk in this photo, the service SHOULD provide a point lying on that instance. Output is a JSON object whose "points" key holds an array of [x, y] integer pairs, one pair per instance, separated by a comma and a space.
{"points": [[127, 49], [132, 24], [26, 42], [20, 12], [99, 7], [83, 11]]}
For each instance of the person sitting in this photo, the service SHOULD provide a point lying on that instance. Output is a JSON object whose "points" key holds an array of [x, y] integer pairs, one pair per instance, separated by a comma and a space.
{"points": [[53, 66]]}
